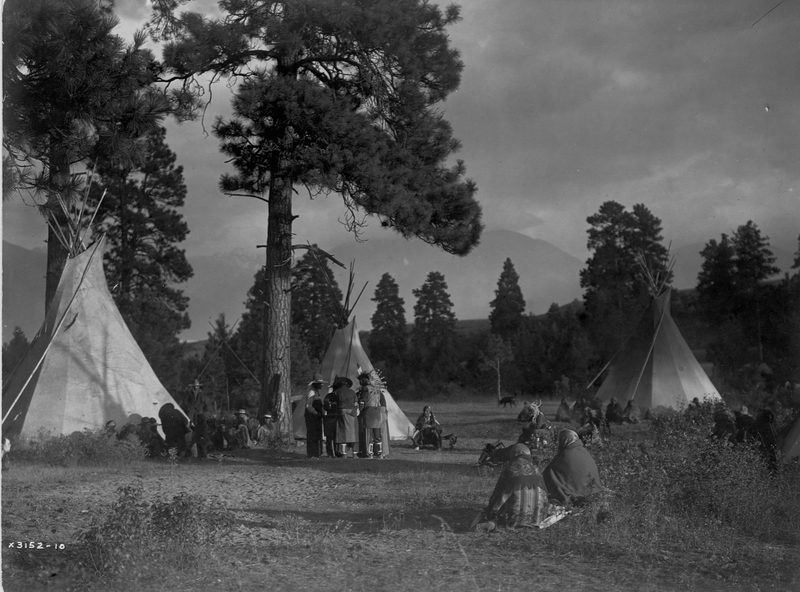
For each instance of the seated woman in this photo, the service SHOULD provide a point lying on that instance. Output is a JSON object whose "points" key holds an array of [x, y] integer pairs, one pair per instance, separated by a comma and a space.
{"points": [[614, 411], [520, 496], [428, 430], [572, 475]]}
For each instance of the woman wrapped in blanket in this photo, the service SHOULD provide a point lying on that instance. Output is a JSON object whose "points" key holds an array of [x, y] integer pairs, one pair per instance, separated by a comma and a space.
{"points": [[520, 496], [572, 475]]}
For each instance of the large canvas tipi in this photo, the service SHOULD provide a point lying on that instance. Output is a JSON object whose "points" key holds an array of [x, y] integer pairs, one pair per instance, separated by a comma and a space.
{"points": [[655, 367], [84, 367]]}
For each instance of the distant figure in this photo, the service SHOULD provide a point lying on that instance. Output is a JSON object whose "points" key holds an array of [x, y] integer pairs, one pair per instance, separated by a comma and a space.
{"points": [[520, 495], [6, 448], [373, 407], [110, 429], [614, 412], [175, 426], [572, 475], [242, 431], [347, 424], [428, 430], [200, 437], [563, 413], [313, 417], [330, 409], [631, 413], [266, 428]]}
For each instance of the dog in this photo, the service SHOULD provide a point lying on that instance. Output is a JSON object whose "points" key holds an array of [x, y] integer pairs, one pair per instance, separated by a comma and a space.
{"points": [[507, 401]]}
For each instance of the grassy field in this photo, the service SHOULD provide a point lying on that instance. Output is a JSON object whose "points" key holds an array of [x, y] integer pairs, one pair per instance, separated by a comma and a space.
{"points": [[271, 519]]}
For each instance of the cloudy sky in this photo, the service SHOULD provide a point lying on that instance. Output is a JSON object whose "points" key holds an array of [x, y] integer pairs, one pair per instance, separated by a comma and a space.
{"points": [[686, 106]]}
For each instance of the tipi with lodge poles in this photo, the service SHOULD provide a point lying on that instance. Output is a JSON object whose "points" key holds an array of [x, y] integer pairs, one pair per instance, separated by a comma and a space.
{"points": [[655, 367]]}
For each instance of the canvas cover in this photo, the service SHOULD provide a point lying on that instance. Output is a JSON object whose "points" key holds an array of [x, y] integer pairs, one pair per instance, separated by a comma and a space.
{"points": [[344, 356], [656, 367], [791, 446], [91, 369]]}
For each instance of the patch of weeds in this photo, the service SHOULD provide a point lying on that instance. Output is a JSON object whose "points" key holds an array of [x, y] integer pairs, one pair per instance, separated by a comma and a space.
{"points": [[87, 447], [137, 537]]}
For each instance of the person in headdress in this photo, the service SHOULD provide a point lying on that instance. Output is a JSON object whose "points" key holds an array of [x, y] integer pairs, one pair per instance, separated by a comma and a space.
{"points": [[572, 475], [520, 495], [313, 417], [330, 418], [373, 406], [347, 424]]}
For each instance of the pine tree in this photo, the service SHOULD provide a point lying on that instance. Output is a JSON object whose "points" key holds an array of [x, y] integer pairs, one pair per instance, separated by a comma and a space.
{"points": [[389, 337], [434, 331], [139, 214], [716, 282], [339, 97], [508, 304], [72, 91], [316, 303], [615, 293], [14, 351]]}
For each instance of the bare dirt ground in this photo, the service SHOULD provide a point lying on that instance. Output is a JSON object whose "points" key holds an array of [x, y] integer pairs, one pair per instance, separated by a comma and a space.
{"points": [[336, 524]]}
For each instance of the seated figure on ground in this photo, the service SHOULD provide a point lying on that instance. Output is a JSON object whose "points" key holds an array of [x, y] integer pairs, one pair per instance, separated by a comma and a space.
{"points": [[427, 430], [614, 411], [572, 475], [519, 497], [631, 413]]}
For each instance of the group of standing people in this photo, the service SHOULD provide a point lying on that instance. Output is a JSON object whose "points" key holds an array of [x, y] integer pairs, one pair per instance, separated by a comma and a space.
{"points": [[344, 418]]}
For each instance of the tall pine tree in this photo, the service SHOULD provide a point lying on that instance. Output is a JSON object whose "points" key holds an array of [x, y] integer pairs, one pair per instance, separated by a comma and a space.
{"points": [[72, 91], [389, 336], [508, 304], [615, 292], [339, 97], [716, 282], [141, 219], [316, 303], [434, 333]]}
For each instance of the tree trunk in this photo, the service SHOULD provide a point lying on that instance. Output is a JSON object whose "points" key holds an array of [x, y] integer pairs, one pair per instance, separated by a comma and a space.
{"points": [[278, 297]]}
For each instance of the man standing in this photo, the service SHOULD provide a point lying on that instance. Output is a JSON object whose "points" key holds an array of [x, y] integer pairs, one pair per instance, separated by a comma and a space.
{"points": [[346, 426], [313, 417], [373, 403], [330, 410]]}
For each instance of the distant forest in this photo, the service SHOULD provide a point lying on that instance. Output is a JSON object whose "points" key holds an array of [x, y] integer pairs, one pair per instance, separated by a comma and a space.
{"points": [[742, 326]]}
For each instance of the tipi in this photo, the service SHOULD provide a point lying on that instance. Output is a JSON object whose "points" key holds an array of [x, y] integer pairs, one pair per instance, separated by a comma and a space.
{"points": [[345, 356], [83, 367], [655, 367]]}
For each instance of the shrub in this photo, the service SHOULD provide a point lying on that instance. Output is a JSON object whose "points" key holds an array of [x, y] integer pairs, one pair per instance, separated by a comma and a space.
{"points": [[135, 532], [79, 448]]}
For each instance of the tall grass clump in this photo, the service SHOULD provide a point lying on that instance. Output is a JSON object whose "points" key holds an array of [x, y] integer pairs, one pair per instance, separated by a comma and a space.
{"points": [[683, 489], [78, 448], [137, 537]]}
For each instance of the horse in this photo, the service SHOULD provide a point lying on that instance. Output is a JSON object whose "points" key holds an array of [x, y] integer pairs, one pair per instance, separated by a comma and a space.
{"points": [[507, 401]]}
